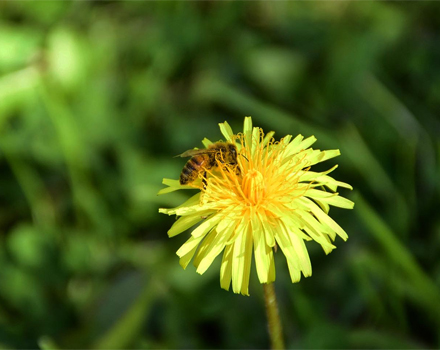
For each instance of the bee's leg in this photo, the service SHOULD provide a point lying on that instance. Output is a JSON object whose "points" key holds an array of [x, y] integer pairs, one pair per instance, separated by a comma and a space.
{"points": [[204, 181], [237, 169]]}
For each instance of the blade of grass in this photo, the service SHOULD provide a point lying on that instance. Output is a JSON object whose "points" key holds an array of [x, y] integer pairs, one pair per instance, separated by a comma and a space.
{"points": [[390, 107], [85, 196], [375, 339], [215, 89], [370, 169], [42, 208], [47, 343], [15, 88], [353, 145], [421, 289], [122, 334]]}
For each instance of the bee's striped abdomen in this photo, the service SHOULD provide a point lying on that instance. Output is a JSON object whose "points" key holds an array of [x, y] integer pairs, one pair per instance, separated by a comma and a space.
{"points": [[192, 169]]}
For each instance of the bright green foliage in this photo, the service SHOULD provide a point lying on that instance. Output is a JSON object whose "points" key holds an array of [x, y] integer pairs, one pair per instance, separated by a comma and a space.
{"points": [[97, 97]]}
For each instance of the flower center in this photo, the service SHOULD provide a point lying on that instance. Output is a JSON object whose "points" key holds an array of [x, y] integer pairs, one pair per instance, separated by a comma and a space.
{"points": [[253, 186]]}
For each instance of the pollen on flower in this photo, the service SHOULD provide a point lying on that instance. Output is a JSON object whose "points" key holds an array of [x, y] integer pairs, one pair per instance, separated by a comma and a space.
{"points": [[253, 186], [269, 198]]}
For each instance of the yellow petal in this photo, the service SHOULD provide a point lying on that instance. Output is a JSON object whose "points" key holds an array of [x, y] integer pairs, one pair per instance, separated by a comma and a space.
{"points": [[285, 244], [187, 250], [325, 219], [189, 246], [183, 223], [262, 262], [272, 275], [226, 268], [247, 131], [204, 247], [321, 156], [315, 229], [301, 251], [241, 262], [307, 142], [204, 227], [247, 127], [227, 131], [206, 142], [268, 233], [330, 198], [171, 182], [191, 202], [267, 138], [292, 147], [216, 245]]}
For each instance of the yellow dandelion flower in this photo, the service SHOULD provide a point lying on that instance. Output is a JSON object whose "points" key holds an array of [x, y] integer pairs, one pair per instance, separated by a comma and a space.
{"points": [[270, 198]]}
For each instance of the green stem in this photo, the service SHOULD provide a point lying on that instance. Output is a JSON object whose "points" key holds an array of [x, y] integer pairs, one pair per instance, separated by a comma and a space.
{"points": [[273, 317]]}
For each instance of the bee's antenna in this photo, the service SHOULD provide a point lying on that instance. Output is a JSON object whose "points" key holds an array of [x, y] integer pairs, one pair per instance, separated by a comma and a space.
{"points": [[244, 157]]}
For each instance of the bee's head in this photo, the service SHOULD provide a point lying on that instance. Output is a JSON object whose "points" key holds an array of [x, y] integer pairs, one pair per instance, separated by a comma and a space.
{"points": [[233, 150]]}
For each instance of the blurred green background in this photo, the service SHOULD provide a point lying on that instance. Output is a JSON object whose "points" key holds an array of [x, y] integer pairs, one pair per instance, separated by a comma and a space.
{"points": [[96, 98]]}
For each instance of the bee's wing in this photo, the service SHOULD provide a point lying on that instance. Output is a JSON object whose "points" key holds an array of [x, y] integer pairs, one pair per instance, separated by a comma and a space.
{"points": [[193, 152]]}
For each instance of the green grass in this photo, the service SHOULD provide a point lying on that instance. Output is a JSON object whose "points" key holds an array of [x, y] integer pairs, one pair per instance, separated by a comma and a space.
{"points": [[97, 97]]}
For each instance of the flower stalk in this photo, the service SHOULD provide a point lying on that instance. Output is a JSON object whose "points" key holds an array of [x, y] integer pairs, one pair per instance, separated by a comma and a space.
{"points": [[273, 317]]}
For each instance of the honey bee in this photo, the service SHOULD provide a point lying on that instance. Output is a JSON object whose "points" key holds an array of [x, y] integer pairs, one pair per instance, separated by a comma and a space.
{"points": [[204, 159]]}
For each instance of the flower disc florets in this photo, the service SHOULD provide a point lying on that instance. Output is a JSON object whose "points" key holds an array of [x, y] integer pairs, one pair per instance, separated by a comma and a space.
{"points": [[269, 198]]}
